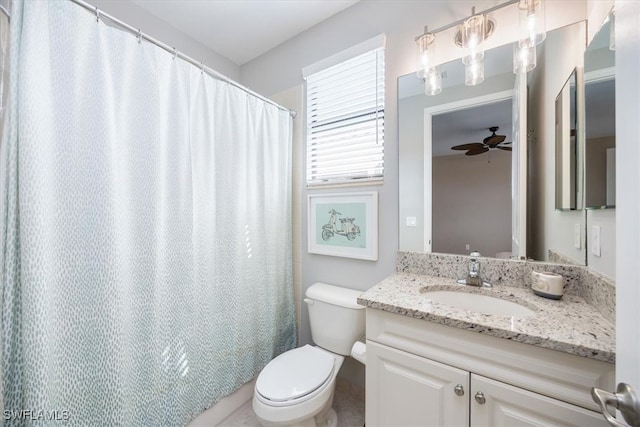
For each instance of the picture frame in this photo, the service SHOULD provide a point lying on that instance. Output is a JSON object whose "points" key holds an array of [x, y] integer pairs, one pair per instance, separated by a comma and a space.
{"points": [[343, 225]]}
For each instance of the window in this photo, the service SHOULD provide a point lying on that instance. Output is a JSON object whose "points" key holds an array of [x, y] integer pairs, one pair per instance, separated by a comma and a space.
{"points": [[345, 120]]}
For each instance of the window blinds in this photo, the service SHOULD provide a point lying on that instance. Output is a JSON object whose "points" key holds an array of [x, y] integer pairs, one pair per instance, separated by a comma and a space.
{"points": [[345, 121]]}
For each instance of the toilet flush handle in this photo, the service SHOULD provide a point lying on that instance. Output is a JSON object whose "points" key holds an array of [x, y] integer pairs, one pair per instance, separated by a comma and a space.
{"points": [[308, 301]]}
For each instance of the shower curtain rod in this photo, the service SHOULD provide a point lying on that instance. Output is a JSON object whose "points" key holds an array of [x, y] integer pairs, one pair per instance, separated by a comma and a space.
{"points": [[142, 36]]}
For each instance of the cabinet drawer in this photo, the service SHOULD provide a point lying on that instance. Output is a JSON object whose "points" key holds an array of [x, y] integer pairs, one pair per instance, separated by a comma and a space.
{"points": [[562, 376]]}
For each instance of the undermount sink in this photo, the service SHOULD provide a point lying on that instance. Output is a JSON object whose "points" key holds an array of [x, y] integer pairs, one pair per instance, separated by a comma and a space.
{"points": [[479, 303]]}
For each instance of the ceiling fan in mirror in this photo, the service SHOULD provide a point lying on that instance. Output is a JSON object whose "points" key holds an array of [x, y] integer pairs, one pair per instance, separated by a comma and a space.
{"points": [[492, 142]]}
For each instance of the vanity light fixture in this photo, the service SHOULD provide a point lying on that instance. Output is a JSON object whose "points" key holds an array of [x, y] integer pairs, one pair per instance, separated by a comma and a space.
{"points": [[471, 36], [427, 69], [532, 22]]}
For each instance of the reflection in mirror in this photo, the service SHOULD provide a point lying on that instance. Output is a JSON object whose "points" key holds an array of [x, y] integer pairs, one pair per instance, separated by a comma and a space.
{"points": [[459, 202], [568, 168], [600, 126], [471, 176]]}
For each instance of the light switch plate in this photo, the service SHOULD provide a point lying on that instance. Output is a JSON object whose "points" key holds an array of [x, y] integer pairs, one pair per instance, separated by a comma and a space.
{"points": [[577, 236], [411, 221], [595, 240]]}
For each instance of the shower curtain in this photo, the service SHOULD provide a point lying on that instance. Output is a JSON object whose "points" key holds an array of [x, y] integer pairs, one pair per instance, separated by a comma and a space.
{"points": [[145, 228]]}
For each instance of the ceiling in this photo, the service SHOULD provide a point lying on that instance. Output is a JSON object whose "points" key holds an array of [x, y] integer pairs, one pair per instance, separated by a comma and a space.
{"points": [[469, 125], [241, 30]]}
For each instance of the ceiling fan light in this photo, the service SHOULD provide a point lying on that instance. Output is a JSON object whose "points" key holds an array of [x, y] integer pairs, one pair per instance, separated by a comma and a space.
{"points": [[524, 58], [532, 22], [474, 73]]}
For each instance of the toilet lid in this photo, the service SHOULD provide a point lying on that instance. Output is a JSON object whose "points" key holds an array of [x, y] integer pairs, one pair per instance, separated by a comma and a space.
{"points": [[295, 373]]}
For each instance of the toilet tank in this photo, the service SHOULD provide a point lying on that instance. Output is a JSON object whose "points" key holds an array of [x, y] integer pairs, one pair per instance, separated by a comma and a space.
{"points": [[337, 321]]}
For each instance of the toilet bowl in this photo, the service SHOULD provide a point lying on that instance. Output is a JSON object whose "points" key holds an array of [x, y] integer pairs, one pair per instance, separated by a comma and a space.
{"points": [[297, 387], [297, 390]]}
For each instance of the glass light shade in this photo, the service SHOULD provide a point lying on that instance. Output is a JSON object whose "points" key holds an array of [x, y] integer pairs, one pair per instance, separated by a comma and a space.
{"points": [[433, 81], [426, 54], [612, 31], [472, 32], [532, 22], [524, 58], [474, 73]]}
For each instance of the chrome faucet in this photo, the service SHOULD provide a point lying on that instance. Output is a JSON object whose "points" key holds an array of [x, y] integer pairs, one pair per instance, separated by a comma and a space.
{"points": [[473, 278]]}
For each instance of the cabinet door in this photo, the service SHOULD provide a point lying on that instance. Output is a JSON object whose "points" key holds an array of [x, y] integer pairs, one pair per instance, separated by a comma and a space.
{"points": [[505, 405], [406, 390]]}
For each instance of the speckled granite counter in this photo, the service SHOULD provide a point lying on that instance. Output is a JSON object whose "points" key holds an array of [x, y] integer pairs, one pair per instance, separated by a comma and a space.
{"points": [[569, 325]]}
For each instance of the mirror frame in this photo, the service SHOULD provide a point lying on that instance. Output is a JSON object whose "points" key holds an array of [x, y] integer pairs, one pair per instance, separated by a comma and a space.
{"points": [[569, 144]]}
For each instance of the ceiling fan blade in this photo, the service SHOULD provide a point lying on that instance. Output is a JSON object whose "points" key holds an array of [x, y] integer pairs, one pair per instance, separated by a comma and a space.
{"points": [[476, 151], [472, 146], [494, 140], [504, 148], [505, 143]]}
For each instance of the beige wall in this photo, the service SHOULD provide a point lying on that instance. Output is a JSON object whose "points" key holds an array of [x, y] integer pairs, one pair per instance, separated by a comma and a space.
{"points": [[596, 170], [472, 203]]}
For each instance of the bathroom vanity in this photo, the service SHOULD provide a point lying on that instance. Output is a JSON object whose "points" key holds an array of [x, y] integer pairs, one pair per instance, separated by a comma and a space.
{"points": [[430, 363]]}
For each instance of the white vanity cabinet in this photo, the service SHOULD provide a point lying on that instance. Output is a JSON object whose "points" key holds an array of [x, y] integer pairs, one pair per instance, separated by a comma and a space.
{"points": [[421, 373]]}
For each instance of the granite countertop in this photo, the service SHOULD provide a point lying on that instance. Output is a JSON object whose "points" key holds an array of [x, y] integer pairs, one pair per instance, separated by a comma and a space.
{"points": [[569, 325]]}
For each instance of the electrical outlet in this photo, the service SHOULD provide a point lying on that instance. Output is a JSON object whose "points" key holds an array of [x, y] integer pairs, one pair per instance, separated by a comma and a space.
{"points": [[595, 240], [467, 247], [577, 236]]}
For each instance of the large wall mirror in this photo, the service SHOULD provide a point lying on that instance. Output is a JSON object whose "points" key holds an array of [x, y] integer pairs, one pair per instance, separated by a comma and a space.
{"points": [[455, 190], [456, 200]]}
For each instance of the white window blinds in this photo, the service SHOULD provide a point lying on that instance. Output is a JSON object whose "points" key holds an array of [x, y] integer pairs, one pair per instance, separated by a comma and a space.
{"points": [[345, 121]]}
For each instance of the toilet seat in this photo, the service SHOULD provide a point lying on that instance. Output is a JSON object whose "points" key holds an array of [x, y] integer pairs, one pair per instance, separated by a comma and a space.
{"points": [[295, 376]]}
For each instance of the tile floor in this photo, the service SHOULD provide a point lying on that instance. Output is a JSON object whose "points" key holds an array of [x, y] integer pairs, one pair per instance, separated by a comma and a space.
{"points": [[348, 403]]}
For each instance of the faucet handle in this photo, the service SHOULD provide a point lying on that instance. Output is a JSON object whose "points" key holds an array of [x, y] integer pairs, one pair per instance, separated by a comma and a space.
{"points": [[475, 254]]}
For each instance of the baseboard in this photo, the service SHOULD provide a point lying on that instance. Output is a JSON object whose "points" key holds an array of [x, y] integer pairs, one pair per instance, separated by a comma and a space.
{"points": [[221, 410]]}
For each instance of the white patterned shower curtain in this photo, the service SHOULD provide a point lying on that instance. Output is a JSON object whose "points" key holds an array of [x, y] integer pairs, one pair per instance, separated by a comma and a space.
{"points": [[145, 228]]}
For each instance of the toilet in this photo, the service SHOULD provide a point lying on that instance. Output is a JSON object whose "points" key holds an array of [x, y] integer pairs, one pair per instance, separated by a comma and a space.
{"points": [[296, 388]]}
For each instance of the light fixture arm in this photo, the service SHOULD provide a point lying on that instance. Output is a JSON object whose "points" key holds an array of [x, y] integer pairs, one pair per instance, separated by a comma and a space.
{"points": [[460, 21]]}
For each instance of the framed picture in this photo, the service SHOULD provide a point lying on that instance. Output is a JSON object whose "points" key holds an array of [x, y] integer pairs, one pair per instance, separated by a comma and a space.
{"points": [[344, 225]]}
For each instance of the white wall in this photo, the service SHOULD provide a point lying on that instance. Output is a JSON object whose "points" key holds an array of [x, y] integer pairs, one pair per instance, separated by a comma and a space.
{"points": [[137, 17], [628, 200]]}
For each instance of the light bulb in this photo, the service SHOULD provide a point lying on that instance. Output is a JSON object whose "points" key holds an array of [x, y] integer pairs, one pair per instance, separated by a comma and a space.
{"points": [[426, 53], [524, 58], [532, 22], [433, 82], [472, 38]]}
